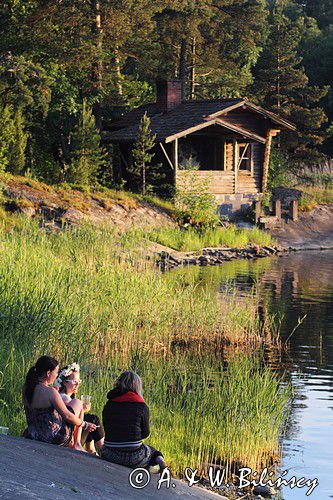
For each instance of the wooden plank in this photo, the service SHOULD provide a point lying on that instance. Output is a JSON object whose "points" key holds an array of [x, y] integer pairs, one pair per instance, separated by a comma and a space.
{"points": [[266, 161], [175, 154], [240, 130], [189, 130], [251, 159], [166, 155], [226, 110], [235, 158]]}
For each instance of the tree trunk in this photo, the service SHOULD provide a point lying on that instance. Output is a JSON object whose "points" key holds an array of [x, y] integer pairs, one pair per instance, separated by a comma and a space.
{"points": [[143, 179], [98, 65], [183, 67], [118, 71], [193, 49]]}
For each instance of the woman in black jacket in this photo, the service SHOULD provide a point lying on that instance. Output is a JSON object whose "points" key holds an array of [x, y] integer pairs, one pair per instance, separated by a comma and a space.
{"points": [[126, 424]]}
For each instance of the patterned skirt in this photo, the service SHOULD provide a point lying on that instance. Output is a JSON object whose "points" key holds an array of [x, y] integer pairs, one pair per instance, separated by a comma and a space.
{"points": [[139, 457]]}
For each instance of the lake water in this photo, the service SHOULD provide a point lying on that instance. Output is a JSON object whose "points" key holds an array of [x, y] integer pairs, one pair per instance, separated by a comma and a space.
{"points": [[296, 286]]}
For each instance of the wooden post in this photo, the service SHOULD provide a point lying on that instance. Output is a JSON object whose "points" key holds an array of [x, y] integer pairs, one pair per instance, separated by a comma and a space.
{"points": [[277, 209], [235, 163], [251, 159], [266, 161], [257, 211], [175, 154], [294, 210], [175, 158], [270, 134]]}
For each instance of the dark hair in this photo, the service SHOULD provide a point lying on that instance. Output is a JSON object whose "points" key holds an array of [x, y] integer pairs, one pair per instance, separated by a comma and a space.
{"points": [[43, 365]]}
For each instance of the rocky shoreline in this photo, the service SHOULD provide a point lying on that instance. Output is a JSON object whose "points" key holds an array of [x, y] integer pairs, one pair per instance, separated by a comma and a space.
{"points": [[169, 259]]}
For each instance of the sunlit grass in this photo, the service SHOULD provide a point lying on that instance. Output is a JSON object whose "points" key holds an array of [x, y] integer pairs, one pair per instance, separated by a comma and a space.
{"points": [[193, 240], [91, 296], [314, 196]]}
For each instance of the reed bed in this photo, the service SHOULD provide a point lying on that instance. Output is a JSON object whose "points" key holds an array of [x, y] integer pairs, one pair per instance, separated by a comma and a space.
{"points": [[204, 411], [192, 239], [92, 296]]}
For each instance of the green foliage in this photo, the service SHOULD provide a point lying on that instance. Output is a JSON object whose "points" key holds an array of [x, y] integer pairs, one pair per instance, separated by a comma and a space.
{"points": [[143, 168], [53, 55], [17, 157], [13, 140], [278, 173], [283, 85], [87, 157], [7, 133], [196, 205], [24, 84]]}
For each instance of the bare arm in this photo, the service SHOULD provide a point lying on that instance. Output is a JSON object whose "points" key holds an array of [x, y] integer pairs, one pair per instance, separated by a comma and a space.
{"points": [[60, 406]]}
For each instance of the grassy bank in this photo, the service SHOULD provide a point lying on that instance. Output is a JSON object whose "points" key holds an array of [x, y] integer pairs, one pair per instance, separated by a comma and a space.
{"points": [[192, 239], [314, 196], [90, 295]]}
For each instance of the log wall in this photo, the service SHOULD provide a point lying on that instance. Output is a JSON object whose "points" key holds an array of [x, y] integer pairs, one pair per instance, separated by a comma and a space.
{"points": [[218, 181]]}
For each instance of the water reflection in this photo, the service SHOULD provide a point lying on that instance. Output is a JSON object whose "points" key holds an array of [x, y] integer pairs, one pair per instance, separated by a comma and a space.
{"points": [[291, 287]]}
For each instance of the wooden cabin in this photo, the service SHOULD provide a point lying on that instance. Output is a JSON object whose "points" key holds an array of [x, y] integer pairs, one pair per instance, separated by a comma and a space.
{"points": [[225, 143]]}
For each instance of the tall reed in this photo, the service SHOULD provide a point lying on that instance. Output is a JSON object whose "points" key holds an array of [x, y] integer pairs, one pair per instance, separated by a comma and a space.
{"points": [[92, 296]]}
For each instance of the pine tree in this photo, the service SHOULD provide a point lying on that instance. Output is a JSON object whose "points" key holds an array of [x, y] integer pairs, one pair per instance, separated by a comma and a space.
{"points": [[282, 85], [87, 157], [18, 146], [142, 157], [7, 132]]}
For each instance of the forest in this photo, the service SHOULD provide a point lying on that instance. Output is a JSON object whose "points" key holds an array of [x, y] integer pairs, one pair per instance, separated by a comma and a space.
{"points": [[70, 67]]}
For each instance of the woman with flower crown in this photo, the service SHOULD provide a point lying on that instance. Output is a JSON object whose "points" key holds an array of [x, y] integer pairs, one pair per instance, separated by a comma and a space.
{"points": [[68, 382], [49, 419]]}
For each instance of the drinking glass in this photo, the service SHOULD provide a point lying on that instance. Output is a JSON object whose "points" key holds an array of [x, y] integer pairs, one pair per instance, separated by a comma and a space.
{"points": [[86, 399], [4, 430]]}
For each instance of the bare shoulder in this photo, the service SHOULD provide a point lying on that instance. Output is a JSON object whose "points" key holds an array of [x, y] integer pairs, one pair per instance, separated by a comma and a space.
{"points": [[42, 396]]}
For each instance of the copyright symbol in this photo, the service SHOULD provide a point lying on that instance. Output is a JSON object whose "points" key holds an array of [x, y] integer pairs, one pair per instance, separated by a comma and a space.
{"points": [[139, 478]]}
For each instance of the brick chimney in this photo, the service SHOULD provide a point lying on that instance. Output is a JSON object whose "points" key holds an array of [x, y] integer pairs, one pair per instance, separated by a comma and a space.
{"points": [[168, 94]]}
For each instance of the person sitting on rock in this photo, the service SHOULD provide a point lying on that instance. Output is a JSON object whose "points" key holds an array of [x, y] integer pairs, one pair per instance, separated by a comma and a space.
{"points": [[49, 419], [126, 424], [68, 382]]}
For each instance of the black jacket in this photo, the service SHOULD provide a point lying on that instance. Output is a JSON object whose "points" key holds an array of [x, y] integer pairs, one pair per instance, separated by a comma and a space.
{"points": [[125, 417]]}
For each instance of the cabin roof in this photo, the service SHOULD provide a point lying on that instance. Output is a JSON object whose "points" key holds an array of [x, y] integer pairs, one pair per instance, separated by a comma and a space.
{"points": [[188, 117]]}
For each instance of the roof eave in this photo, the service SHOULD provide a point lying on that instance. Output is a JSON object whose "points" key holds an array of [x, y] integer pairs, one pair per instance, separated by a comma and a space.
{"points": [[272, 116], [268, 114], [222, 123]]}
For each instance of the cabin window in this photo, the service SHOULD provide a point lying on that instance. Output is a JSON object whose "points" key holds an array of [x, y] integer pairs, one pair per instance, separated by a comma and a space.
{"points": [[244, 156]]}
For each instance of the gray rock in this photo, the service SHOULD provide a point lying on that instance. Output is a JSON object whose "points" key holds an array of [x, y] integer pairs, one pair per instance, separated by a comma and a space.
{"points": [[30, 469], [265, 491], [28, 211]]}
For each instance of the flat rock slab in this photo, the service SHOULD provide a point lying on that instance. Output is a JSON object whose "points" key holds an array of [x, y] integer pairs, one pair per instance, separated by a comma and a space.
{"points": [[30, 469], [312, 231]]}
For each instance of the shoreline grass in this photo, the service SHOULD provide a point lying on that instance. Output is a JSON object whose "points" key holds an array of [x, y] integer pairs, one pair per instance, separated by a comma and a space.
{"points": [[315, 195], [91, 296], [194, 240]]}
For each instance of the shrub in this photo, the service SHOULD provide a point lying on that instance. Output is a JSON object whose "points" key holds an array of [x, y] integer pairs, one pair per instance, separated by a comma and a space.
{"points": [[196, 205]]}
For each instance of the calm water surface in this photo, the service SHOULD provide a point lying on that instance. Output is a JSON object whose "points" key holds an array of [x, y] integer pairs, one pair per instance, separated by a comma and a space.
{"points": [[298, 286]]}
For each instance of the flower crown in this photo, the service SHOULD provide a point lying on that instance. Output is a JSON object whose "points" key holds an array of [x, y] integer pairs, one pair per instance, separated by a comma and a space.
{"points": [[66, 372]]}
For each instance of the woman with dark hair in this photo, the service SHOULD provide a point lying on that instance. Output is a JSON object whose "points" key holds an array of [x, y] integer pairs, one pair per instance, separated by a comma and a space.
{"points": [[48, 418], [126, 424], [68, 382]]}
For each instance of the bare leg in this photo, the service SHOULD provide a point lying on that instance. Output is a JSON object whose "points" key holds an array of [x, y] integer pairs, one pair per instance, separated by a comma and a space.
{"points": [[160, 461], [77, 406], [90, 447], [100, 443]]}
